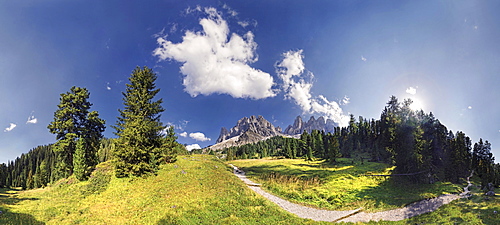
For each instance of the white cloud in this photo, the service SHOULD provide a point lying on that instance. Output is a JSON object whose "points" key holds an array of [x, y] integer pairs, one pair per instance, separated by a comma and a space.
{"points": [[32, 120], [215, 61], [297, 84], [244, 24], [363, 58], [199, 136], [346, 100], [181, 125], [411, 90], [108, 87], [183, 134], [190, 10], [470, 107], [11, 127], [173, 29], [230, 10], [192, 147], [247, 23]]}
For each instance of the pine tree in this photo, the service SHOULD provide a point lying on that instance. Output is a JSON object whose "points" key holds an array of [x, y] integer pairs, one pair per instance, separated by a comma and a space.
{"points": [[483, 161], [80, 167], [3, 175], [333, 149], [71, 121], [141, 143], [460, 157], [170, 147], [29, 180], [42, 175]]}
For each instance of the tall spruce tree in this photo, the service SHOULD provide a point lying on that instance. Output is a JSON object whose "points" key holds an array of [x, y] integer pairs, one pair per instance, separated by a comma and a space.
{"points": [[80, 167], [73, 120], [333, 148], [142, 143], [483, 161]]}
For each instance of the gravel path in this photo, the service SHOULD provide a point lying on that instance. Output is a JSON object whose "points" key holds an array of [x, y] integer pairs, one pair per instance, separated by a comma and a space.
{"points": [[406, 212]]}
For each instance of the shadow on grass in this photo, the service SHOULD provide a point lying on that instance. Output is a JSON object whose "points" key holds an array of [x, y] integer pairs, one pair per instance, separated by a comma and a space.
{"points": [[259, 170], [7, 197], [322, 170], [475, 210], [398, 192]]}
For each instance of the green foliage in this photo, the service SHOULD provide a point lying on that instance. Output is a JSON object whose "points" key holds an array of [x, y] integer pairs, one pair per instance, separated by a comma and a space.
{"points": [[73, 120], [80, 166], [42, 175], [106, 148], [99, 180], [64, 150], [141, 145], [29, 181], [170, 148], [333, 149], [483, 162]]}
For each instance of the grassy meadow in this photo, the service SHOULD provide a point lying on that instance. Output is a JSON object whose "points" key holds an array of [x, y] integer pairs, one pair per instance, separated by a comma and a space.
{"points": [[194, 190], [338, 187], [200, 189]]}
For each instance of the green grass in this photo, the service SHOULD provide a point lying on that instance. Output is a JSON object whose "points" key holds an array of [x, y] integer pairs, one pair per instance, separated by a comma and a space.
{"points": [[338, 187], [479, 209], [195, 190], [202, 190]]}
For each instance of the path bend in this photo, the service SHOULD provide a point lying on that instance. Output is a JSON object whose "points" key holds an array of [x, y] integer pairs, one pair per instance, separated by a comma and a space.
{"points": [[411, 210]]}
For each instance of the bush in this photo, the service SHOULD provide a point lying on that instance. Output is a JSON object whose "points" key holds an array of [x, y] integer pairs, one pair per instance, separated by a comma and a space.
{"points": [[98, 181]]}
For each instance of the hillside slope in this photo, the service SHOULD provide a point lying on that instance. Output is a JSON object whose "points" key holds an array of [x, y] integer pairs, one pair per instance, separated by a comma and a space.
{"points": [[195, 190]]}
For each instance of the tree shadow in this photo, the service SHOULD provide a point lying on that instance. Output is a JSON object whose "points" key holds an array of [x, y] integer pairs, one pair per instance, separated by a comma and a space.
{"points": [[321, 170], [396, 192], [7, 198], [259, 170]]}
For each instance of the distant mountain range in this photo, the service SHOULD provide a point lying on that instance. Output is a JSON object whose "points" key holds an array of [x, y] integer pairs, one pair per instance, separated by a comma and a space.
{"points": [[312, 124], [253, 129]]}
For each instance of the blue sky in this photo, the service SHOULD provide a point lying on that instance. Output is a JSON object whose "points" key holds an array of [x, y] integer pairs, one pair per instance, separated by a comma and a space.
{"points": [[218, 61]]}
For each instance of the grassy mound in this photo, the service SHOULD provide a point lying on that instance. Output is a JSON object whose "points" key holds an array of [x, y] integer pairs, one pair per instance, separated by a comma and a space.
{"points": [[338, 187], [195, 190]]}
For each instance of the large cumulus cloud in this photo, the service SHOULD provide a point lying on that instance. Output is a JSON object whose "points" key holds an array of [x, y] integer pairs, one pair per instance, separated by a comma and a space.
{"points": [[217, 61]]}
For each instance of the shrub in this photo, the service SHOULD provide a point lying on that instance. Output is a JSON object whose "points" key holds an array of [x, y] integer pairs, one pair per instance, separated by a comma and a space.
{"points": [[98, 181]]}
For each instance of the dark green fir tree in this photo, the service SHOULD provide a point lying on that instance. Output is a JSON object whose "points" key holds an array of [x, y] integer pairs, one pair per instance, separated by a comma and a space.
{"points": [[142, 141], [73, 120]]}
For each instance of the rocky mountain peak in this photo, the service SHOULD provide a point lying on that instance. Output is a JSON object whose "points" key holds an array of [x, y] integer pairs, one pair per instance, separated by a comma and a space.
{"points": [[256, 128], [258, 125], [223, 133]]}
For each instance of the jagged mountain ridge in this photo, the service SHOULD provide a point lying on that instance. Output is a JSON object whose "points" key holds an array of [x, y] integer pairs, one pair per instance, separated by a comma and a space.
{"points": [[312, 124], [253, 129], [247, 130]]}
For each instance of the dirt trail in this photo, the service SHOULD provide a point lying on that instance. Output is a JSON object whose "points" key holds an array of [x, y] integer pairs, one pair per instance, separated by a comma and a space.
{"points": [[357, 215]]}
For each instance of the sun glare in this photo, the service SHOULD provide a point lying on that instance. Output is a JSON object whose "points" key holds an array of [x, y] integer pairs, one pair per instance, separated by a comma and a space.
{"points": [[417, 104]]}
